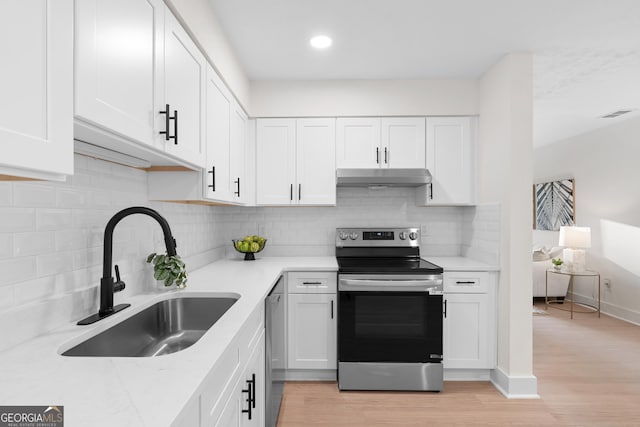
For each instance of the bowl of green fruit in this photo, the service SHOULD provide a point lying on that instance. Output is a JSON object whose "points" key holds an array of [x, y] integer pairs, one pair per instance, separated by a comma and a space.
{"points": [[249, 245]]}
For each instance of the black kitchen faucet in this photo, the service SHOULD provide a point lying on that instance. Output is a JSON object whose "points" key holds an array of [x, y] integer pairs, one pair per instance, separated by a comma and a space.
{"points": [[107, 284]]}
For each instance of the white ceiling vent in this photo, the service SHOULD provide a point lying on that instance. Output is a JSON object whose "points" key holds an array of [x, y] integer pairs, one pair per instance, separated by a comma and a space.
{"points": [[615, 114]]}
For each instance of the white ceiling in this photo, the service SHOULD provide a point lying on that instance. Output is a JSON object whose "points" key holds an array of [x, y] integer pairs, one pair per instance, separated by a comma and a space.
{"points": [[586, 52]]}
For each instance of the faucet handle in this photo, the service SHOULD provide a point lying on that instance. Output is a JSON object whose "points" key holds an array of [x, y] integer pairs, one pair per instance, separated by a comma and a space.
{"points": [[119, 285]]}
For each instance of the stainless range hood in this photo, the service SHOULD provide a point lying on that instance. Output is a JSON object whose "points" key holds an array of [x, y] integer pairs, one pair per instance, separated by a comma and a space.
{"points": [[382, 177]]}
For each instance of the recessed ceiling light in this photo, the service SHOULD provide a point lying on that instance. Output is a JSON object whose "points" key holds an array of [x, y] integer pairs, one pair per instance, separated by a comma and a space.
{"points": [[320, 42]]}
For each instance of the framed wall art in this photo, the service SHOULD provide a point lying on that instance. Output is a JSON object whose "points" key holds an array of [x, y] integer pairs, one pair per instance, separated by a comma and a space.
{"points": [[553, 204]]}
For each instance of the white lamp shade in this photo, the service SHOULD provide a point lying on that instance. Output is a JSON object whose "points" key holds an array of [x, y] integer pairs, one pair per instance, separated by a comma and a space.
{"points": [[575, 237]]}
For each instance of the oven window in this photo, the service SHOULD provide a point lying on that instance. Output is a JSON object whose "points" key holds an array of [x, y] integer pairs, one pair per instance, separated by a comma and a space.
{"points": [[389, 327]]}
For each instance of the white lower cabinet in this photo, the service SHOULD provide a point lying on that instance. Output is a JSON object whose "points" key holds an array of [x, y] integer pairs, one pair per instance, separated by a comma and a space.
{"points": [[311, 325], [236, 381], [245, 406], [469, 334]]}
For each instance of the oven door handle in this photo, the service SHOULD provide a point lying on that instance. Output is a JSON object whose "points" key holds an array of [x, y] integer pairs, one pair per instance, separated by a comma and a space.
{"points": [[432, 286]]}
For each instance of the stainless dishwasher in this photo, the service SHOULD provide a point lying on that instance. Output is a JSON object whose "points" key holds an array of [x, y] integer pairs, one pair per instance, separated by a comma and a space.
{"points": [[274, 351]]}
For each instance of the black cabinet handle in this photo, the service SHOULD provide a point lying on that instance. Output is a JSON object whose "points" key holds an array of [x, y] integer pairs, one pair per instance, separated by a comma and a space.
{"points": [[253, 390], [248, 400], [377, 155], [299, 191], [385, 155], [312, 283], [431, 190], [167, 119], [332, 309], [213, 178], [237, 182], [465, 282], [291, 193], [445, 309], [175, 127]]}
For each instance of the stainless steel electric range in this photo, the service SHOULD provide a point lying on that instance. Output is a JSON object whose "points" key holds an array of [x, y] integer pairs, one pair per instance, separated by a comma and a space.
{"points": [[390, 311]]}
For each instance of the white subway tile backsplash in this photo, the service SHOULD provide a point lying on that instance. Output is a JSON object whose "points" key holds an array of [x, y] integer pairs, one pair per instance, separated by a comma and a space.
{"points": [[53, 219], [17, 269], [6, 245], [71, 198], [5, 193], [67, 240], [54, 263], [33, 243], [34, 195], [17, 219]]}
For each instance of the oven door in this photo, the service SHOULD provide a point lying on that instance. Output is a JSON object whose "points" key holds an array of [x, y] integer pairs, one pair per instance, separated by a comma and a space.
{"points": [[390, 319]]}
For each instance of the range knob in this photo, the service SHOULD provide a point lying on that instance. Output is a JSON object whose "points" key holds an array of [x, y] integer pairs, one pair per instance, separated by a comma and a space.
{"points": [[403, 235], [413, 235], [343, 235], [353, 236]]}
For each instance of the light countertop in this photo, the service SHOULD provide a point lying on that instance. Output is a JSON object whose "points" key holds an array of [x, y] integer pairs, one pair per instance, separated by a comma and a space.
{"points": [[150, 391], [140, 391], [461, 264]]}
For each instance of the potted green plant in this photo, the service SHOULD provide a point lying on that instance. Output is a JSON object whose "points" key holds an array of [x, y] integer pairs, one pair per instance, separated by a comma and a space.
{"points": [[557, 263], [170, 269]]}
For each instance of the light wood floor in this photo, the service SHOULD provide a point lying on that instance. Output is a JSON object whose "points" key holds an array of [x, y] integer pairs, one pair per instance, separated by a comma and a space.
{"points": [[588, 373]]}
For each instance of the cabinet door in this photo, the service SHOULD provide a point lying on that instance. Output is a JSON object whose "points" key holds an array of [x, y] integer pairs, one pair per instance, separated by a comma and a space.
{"points": [[184, 91], [36, 112], [466, 331], [255, 373], [118, 48], [276, 148], [358, 143], [311, 331], [237, 155], [231, 415], [315, 162], [403, 142], [217, 174], [450, 160]]}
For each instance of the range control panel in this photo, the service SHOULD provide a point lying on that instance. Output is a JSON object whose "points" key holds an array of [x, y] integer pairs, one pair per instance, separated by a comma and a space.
{"points": [[378, 237]]}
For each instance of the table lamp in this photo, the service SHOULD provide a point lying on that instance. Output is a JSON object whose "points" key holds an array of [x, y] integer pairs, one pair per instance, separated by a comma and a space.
{"points": [[575, 240]]}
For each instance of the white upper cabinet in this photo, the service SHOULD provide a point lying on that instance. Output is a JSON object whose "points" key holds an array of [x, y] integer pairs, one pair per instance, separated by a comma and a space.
{"points": [[140, 82], [119, 48], [218, 137], [36, 112], [276, 143], [184, 93], [238, 155], [358, 142], [450, 159], [296, 162], [393, 142], [403, 142], [315, 161]]}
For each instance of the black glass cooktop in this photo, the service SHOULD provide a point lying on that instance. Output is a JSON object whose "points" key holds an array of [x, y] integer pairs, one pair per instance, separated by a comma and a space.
{"points": [[387, 265]]}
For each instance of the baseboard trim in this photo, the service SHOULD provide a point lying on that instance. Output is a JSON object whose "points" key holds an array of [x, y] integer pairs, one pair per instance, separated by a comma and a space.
{"points": [[311, 375], [515, 387], [621, 313], [467, 374]]}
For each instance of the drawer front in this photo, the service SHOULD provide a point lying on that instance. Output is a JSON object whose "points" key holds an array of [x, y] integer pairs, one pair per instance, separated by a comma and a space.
{"points": [[466, 282], [312, 282]]}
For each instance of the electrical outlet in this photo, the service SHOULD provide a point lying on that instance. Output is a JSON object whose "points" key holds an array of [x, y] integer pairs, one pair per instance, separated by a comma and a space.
{"points": [[607, 283], [423, 230]]}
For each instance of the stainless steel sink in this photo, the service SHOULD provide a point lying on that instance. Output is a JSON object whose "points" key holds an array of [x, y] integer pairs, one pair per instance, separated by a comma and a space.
{"points": [[163, 328]]}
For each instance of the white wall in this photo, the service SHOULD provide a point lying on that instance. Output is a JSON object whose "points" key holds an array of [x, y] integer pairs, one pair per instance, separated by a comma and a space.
{"points": [[363, 98], [201, 21], [604, 164], [51, 244], [505, 173]]}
